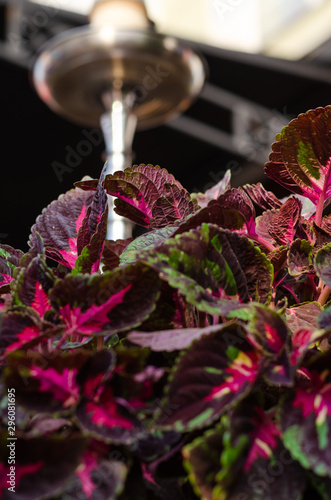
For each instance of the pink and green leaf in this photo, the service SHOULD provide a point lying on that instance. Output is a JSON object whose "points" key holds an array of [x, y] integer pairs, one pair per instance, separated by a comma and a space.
{"points": [[43, 465], [303, 341], [209, 264], [97, 208], [145, 242], [243, 457], [9, 261], [97, 370], [90, 257], [270, 335], [305, 418], [109, 303], [92, 482], [92, 233], [32, 285], [10, 257], [19, 331], [269, 331], [50, 386], [211, 377], [107, 419]]}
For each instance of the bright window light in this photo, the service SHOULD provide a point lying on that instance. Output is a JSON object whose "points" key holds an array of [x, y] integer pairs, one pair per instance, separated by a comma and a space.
{"points": [[80, 6], [279, 28]]}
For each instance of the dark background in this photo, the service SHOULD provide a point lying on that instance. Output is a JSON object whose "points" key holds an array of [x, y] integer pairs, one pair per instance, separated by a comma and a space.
{"points": [[33, 137]]}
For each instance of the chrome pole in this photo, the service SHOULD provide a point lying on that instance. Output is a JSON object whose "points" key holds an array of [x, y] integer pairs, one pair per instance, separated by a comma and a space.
{"points": [[118, 125]]}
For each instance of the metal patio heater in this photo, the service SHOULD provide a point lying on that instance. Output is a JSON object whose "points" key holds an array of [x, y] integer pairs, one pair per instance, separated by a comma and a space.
{"points": [[119, 74]]}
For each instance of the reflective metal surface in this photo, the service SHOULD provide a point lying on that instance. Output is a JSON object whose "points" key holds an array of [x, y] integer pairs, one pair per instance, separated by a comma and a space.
{"points": [[76, 68]]}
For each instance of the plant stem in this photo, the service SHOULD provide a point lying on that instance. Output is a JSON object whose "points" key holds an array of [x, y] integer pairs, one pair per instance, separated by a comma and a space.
{"points": [[61, 342], [312, 282], [182, 311], [216, 319], [319, 211], [202, 319], [320, 206], [292, 292], [322, 299], [262, 241], [100, 343]]}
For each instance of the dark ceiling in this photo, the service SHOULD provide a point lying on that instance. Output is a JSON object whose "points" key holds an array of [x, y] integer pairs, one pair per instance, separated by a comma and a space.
{"points": [[33, 138]]}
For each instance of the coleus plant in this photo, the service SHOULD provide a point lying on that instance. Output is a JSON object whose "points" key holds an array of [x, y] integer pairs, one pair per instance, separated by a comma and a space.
{"points": [[191, 362]]}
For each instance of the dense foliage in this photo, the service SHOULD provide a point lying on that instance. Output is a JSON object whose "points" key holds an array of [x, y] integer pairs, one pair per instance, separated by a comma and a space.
{"points": [[197, 363]]}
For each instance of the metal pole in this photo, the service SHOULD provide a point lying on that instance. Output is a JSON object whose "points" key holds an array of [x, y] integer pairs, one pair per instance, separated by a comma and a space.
{"points": [[118, 126]]}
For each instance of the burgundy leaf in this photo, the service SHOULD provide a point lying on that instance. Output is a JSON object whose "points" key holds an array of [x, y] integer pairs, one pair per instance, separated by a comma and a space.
{"points": [[278, 259], [92, 233], [277, 171], [269, 330], [263, 224], [303, 316], [238, 200], [149, 196], [43, 425], [300, 258], [262, 198], [213, 193], [170, 340], [326, 224], [284, 223], [112, 252], [214, 213], [87, 184], [59, 225], [5, 280], [322, 264], [62, 386], [301, 158]]}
